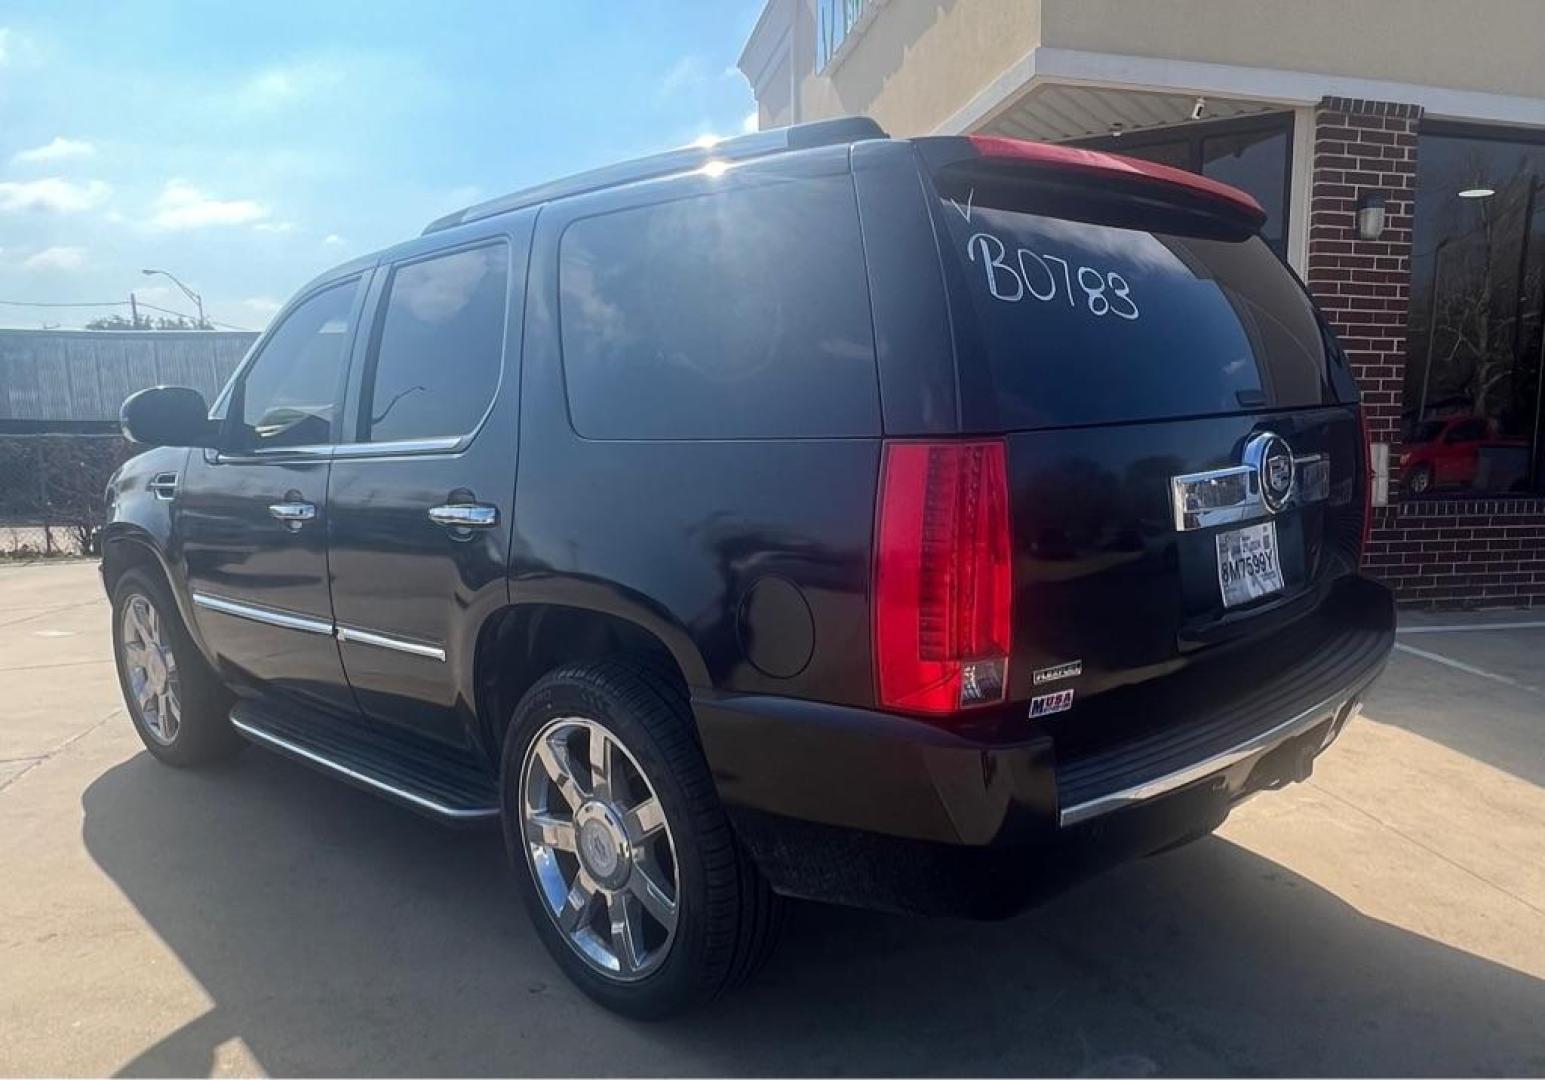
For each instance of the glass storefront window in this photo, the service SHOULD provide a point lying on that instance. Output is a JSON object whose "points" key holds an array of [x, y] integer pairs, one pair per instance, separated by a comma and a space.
{"points": [[1253, 155], [1176, 154], [1472, 379], [1257, 162]]}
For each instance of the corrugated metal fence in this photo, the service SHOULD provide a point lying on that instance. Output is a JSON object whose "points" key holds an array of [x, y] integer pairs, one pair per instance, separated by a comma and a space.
{"points": [[60, 391], [70, 377]]}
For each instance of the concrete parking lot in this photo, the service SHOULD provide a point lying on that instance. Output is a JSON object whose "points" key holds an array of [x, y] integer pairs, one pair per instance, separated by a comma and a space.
{"points": [[1386, 917]]}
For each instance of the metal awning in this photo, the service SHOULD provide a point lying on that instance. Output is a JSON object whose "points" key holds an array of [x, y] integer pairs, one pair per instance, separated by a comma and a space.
{"points": [[1053, 111]]}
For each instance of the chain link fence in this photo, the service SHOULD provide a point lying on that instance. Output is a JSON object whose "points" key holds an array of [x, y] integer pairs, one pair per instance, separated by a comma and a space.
{"points": [[51, 489]]}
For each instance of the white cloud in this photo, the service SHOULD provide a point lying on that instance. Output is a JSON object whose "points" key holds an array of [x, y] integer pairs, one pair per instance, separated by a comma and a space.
{"points": [[684, 74], [334, 240], [183, 206], [19, 51], [57, 258], [275, 226], [52, 193], [261, 305], [287, 83], [57, 150], [751, 123]]}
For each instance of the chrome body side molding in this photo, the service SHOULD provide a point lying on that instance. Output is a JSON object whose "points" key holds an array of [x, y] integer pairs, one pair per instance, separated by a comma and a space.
{"points": [[383, 641], [287, 620], [307, 624]]}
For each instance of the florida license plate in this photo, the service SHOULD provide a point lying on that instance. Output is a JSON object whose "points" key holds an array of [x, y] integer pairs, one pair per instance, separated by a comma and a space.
{"points": [[1248, 564]]}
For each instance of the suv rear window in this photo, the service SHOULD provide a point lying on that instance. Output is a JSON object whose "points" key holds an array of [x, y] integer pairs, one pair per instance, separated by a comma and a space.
{"points": [[742, 314], [1085, 316]]}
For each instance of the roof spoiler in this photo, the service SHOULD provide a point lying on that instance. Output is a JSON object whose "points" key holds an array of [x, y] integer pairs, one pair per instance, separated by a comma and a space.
{"points": [[847, 129], [1098, 165]]}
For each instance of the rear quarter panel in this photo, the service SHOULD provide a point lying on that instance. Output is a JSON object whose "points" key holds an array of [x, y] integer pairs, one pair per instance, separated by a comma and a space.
{"points": [[674, 533]]}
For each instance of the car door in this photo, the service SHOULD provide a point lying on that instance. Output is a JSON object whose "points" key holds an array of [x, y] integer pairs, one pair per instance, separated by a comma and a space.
{"points": [[251, 519], [1461, 452], [419, 501]]}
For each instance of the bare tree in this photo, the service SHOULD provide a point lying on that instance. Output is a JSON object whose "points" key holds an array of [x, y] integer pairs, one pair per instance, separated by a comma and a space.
{"points": [[1478, 299]]}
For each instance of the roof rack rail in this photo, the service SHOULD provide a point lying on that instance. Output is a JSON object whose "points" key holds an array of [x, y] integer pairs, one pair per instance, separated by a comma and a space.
{"points": [[844, 129]]}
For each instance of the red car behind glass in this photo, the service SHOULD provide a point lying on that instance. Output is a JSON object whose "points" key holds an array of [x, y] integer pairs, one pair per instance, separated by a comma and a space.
{"points": [[1447, 453]]}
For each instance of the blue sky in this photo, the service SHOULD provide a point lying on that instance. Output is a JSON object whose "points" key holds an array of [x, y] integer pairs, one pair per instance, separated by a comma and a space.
{"points": [[248, 147]]}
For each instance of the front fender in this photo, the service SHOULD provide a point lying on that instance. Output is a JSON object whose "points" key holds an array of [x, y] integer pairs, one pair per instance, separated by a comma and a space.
{"points": [[141, 527]]}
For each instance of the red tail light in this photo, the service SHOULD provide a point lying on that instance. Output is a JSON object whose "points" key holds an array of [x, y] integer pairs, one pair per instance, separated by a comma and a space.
{"points": [[1367, 437], [942, 576]]}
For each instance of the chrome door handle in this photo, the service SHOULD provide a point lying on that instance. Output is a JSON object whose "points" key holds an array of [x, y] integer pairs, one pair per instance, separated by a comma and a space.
{"points": [[293, 514], [465, 515]]}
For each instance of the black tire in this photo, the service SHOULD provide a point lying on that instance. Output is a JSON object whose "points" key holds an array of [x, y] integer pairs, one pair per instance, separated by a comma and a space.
{"points": [[1420, 481], [203, 732], [727, 917]]}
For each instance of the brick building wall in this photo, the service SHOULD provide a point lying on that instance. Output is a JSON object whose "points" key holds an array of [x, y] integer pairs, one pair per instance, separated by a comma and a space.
{"points": [[1450, 552], [1463, 552], [1364, 286]]}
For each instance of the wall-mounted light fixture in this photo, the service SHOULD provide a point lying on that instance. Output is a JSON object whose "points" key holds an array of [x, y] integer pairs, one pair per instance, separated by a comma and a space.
{"points": [[1370, 215], [1199, 108]]}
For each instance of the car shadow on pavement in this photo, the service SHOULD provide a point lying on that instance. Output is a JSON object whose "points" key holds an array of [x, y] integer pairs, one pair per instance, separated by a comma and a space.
{"points": [[336, 934]]}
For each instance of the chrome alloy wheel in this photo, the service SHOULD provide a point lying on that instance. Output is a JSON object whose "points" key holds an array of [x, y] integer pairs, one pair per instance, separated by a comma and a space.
{"points": [[599, 848], [153, 680]]}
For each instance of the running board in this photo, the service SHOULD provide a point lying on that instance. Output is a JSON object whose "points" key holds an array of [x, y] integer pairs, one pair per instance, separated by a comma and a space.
{"points": [[423, 778]]}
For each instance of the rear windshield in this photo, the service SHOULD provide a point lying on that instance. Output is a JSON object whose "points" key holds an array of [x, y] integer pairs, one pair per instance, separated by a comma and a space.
{"points": [[1084, 316]]}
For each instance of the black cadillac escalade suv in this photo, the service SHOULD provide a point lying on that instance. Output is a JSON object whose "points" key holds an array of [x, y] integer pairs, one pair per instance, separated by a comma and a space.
{"points": [[912, 523]]}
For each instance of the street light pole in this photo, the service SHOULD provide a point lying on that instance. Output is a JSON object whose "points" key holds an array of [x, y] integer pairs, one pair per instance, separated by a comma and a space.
{"points": [[1432, 325], [189, 293], [1523, 269]]}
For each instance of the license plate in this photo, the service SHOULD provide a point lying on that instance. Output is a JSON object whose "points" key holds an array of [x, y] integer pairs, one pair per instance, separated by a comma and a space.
{"points": [[1248, 565]]}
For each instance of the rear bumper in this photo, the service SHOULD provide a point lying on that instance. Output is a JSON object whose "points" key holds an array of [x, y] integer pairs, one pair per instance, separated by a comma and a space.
{"points": [[860, 807]]}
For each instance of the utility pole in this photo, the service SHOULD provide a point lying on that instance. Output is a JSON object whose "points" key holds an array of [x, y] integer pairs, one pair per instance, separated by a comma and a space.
{"points": [[133, 312], [1432, 324], [189, 293], [1523, 270]]}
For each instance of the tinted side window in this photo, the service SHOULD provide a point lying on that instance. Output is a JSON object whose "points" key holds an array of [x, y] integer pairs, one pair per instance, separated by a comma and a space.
{"points": [[287, 394], [438, 354], [741, 314]]}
